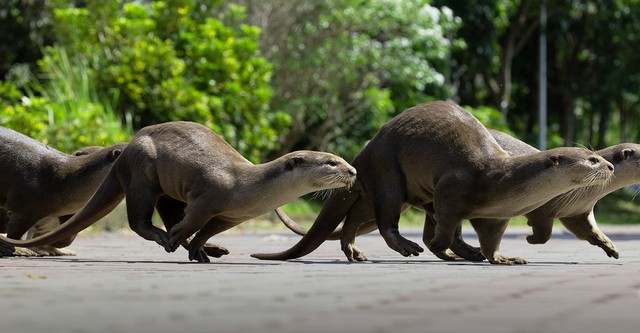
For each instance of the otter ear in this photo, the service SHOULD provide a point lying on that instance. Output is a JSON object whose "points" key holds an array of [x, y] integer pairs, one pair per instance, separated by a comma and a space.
{"points": [[625, 154], [553, 161], [114, 154], [294, 162]]}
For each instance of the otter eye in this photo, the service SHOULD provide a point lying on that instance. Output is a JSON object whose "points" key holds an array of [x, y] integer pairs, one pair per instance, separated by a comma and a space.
{"points": [[332, 164], [594, 160]]}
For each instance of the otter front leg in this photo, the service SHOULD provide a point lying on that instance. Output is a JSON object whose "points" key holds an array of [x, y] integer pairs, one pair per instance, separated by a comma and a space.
{"points": [[490, 232], [584, 227]]}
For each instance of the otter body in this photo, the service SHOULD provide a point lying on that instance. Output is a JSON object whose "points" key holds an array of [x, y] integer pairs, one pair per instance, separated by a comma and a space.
{"points": [[198, 183], [437, 156], [38, 182], [574, 208]]}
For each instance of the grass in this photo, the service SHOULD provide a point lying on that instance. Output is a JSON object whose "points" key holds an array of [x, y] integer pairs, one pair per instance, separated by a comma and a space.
{"points": [[619, 207]]}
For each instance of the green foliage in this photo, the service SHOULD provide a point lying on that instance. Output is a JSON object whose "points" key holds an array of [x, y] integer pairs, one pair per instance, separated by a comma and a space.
{"points": [[346, 67], [25, 26], [64, 111], [489, 117], [166, 62]]}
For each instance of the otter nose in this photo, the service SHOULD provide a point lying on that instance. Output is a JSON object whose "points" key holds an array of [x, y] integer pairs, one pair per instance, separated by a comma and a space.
{"points": [[352, 171], [609, 165]]}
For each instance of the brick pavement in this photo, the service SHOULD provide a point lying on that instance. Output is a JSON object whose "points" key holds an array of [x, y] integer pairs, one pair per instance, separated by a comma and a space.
{"points": [[122, 283]]}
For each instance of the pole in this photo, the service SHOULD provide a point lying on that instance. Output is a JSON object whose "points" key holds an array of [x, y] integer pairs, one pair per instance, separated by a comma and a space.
{"points": [[542, 81]]}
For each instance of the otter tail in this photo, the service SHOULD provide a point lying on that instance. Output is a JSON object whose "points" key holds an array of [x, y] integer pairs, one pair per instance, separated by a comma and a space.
{"points": [[300, 230], [333, 212], [107, 197]]}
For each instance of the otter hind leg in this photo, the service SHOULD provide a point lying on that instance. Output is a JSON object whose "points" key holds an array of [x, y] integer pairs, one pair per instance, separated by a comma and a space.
{"points": [[46, 225], [490, 233], [360, 220], [458, 250], [541, 225], [388, 203], [17, 226], [140, 206], [428, 233]]}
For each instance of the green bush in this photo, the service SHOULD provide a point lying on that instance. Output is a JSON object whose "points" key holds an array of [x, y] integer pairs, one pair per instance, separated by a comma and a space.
{"points": [[63, 110], [166, 63]]}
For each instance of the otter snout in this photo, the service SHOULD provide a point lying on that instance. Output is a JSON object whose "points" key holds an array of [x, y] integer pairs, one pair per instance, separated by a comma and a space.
{"points": [[352, 171], [609, 165], [350, 176], [597, 159]]}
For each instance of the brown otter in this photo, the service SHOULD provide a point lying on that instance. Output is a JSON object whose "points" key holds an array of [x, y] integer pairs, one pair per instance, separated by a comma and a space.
{"points": [[437, 156], [199, 183], [49, 223], [34, 175], [574, 208]]}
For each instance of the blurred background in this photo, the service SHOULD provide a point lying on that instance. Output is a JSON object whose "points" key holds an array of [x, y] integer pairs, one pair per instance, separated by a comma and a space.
{"points": [[273, 76]]}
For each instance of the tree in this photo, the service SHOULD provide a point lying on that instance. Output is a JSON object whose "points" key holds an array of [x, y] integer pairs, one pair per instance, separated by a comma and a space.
{"points": [[25, 26], [592, 66], [166, 61], [344, 67]]}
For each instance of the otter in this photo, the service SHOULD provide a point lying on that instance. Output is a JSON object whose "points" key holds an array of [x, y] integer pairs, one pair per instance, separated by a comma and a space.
{"points": [[49, 223], [437, 156], [34, 175], [574, 209], [199, 183]]}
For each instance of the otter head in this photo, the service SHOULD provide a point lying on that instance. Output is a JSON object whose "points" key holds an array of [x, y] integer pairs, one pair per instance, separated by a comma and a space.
{"points": [[625, 158], [86, 150], [582, 166], [112, 151], [322, 170]]}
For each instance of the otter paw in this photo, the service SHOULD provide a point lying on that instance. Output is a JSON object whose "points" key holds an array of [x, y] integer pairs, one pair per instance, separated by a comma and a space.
{"points": [[405, 247], [199, 255], [162, 238], [498, 259], [54, 251], [358, 255], [438, 245], [605, 244], [25, 252], [447, 255], [215, 250], [535, 239], [467, 252], [6, 250], [174, 241], [353, 253]]}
